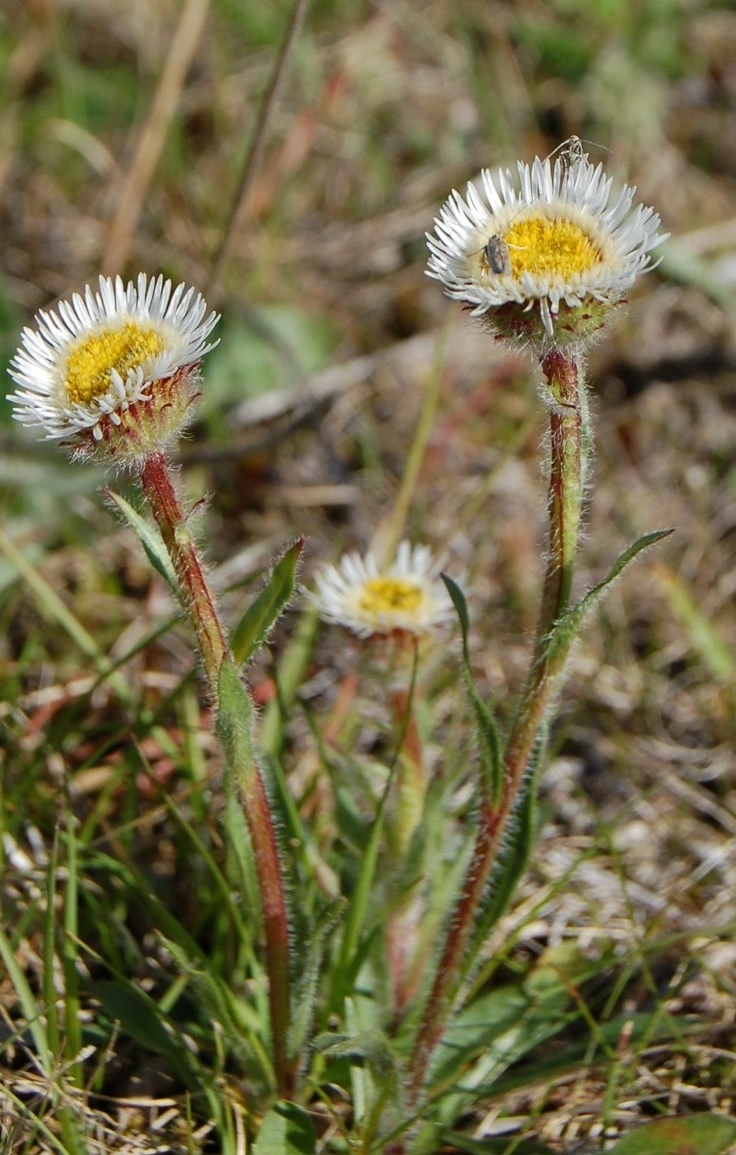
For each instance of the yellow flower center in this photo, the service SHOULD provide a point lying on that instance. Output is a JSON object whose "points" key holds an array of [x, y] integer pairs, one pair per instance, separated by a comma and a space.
{"points": [[90, 361], [550, 247], [387, 595]]}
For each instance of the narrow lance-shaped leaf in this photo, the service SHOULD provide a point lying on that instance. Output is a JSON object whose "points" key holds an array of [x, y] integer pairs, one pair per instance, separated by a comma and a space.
{"points": [[149, 538], [264, 612], [490, 752], [474, 1030], [307, 987], [565, 631]]}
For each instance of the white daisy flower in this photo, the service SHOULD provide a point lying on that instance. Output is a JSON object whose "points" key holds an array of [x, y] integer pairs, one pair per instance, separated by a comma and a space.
{"points": [[116, 366], [549, 251], [406, 596]]}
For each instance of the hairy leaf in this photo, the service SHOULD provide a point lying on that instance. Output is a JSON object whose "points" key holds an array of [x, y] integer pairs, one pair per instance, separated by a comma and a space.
{"points": [[149, 538], [367, 1048], [307, 986], [565, 631], [234, 719], [261, 616]]}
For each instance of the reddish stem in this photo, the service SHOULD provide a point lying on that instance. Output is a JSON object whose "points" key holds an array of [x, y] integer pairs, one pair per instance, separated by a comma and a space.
{"points": [[198, 600], [565, 504], [275, 920], [195, 593], [565, 484]]}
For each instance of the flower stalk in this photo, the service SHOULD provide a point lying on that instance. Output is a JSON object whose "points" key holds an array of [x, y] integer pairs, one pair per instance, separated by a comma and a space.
{"points": [[543, 258], [234, 731], [194, 591], [196, 596], [115, 372], [568, 450], [411, 788]]}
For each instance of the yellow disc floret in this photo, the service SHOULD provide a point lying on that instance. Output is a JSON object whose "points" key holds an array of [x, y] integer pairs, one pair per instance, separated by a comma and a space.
{"points": [[550, 247], [89, 362], [389, 595]]}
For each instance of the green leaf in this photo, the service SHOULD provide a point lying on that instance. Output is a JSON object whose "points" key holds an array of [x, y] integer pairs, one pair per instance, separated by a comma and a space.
{"points": [[694, 1135], [501, 1027], [234, 720], [260, 617], [291, 673], [461, 608], [459, 1142], [360, 899], [286, 1130], [475, 1029], [348, 816], [307, 986], [565, 631], [366, 1049], [149, 538], [234, 729], [486, 729], [553, 1062], [27, 1001], [143, 1021]]}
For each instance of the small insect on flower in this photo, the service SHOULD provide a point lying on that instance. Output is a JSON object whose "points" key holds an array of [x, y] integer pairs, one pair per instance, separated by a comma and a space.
{"points": [[113, 371], [497, 256], [544, 254], [571, 151], [406, 596]]}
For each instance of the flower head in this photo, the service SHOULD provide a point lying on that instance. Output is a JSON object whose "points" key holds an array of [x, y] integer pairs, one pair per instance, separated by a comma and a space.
{"points": [[549, 253], [114, 370], [406, 596]]}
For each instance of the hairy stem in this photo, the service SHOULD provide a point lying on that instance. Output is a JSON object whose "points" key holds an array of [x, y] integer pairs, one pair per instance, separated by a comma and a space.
{"points": [[181, 547], [566, 479], [198, 600], [568, 451], [275, 914]]}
